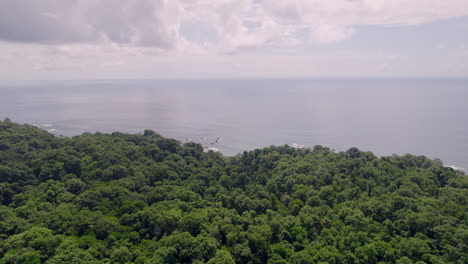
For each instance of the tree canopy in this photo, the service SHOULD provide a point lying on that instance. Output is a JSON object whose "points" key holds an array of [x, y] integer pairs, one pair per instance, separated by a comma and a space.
{"points": [[124, 198]]}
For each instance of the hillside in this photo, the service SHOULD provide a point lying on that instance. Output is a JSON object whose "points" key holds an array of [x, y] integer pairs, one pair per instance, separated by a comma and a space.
{"points": [[122, 198]]}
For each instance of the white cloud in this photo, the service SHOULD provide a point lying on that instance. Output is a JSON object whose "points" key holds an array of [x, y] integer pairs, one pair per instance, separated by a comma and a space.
{"points": [[170, 38], [328, 33], [333, 20], [228, 24]]}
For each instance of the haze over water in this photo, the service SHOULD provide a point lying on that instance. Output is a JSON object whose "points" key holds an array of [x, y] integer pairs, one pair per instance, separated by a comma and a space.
{"points": [[422, 117]]}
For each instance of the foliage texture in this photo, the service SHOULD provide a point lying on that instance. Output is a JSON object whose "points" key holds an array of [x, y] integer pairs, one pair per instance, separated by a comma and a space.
{"points": [[121, 198]]}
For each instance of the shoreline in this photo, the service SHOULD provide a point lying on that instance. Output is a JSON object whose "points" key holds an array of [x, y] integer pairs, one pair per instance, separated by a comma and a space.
{"points": [[49, 127]]}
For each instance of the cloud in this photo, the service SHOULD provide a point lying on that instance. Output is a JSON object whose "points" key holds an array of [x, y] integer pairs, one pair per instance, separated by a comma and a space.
{"points": [[334, 20], [209, 25], [329, 33], [127, 22], [40, 21]]}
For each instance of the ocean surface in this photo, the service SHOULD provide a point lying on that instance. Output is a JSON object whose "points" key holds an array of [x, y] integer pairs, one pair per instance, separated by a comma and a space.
{"points": [[418, 116]]}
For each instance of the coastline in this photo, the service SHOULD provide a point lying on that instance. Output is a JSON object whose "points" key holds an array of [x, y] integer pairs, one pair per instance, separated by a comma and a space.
{"points": [[210, 146]]}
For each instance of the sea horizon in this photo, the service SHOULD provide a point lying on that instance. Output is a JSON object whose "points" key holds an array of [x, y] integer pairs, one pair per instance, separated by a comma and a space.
{"points": [[254, 113]]}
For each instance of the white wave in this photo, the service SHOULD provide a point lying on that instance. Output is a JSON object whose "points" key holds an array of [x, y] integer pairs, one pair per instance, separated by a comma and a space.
{"points": [[297, 146], [47, 125], [211, 149], [456, 168], [52, 130]]}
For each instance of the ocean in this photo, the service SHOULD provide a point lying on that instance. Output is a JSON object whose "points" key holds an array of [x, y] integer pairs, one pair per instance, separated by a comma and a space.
{"points": [[386, 116]]}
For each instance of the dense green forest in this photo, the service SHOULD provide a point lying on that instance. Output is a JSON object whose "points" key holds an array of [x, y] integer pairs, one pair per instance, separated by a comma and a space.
{"points": [[122, 198]]}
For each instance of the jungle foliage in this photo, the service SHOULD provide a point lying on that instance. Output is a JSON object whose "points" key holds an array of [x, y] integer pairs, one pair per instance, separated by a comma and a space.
{"points": [[123, 198]]}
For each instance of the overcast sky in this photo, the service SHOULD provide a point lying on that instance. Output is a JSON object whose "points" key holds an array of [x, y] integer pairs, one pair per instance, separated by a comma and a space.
{"points": [[161, 39]]}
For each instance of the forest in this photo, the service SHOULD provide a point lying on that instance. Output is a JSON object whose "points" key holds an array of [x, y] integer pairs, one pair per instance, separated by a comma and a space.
{"points": [[143, 198]]}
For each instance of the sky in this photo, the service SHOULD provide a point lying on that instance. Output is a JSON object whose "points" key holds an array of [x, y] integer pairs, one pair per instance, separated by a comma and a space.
{"points": [[216, 39]]}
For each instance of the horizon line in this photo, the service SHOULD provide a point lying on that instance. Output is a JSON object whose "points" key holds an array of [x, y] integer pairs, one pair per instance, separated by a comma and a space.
{"points": [[245, 78]]}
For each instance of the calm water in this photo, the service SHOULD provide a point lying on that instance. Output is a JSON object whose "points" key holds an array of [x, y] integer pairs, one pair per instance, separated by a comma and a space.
{"points": [[428, 117]]}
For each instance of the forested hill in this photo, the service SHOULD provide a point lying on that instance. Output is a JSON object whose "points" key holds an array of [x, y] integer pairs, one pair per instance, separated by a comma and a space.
{"points": [[120, 198]]}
